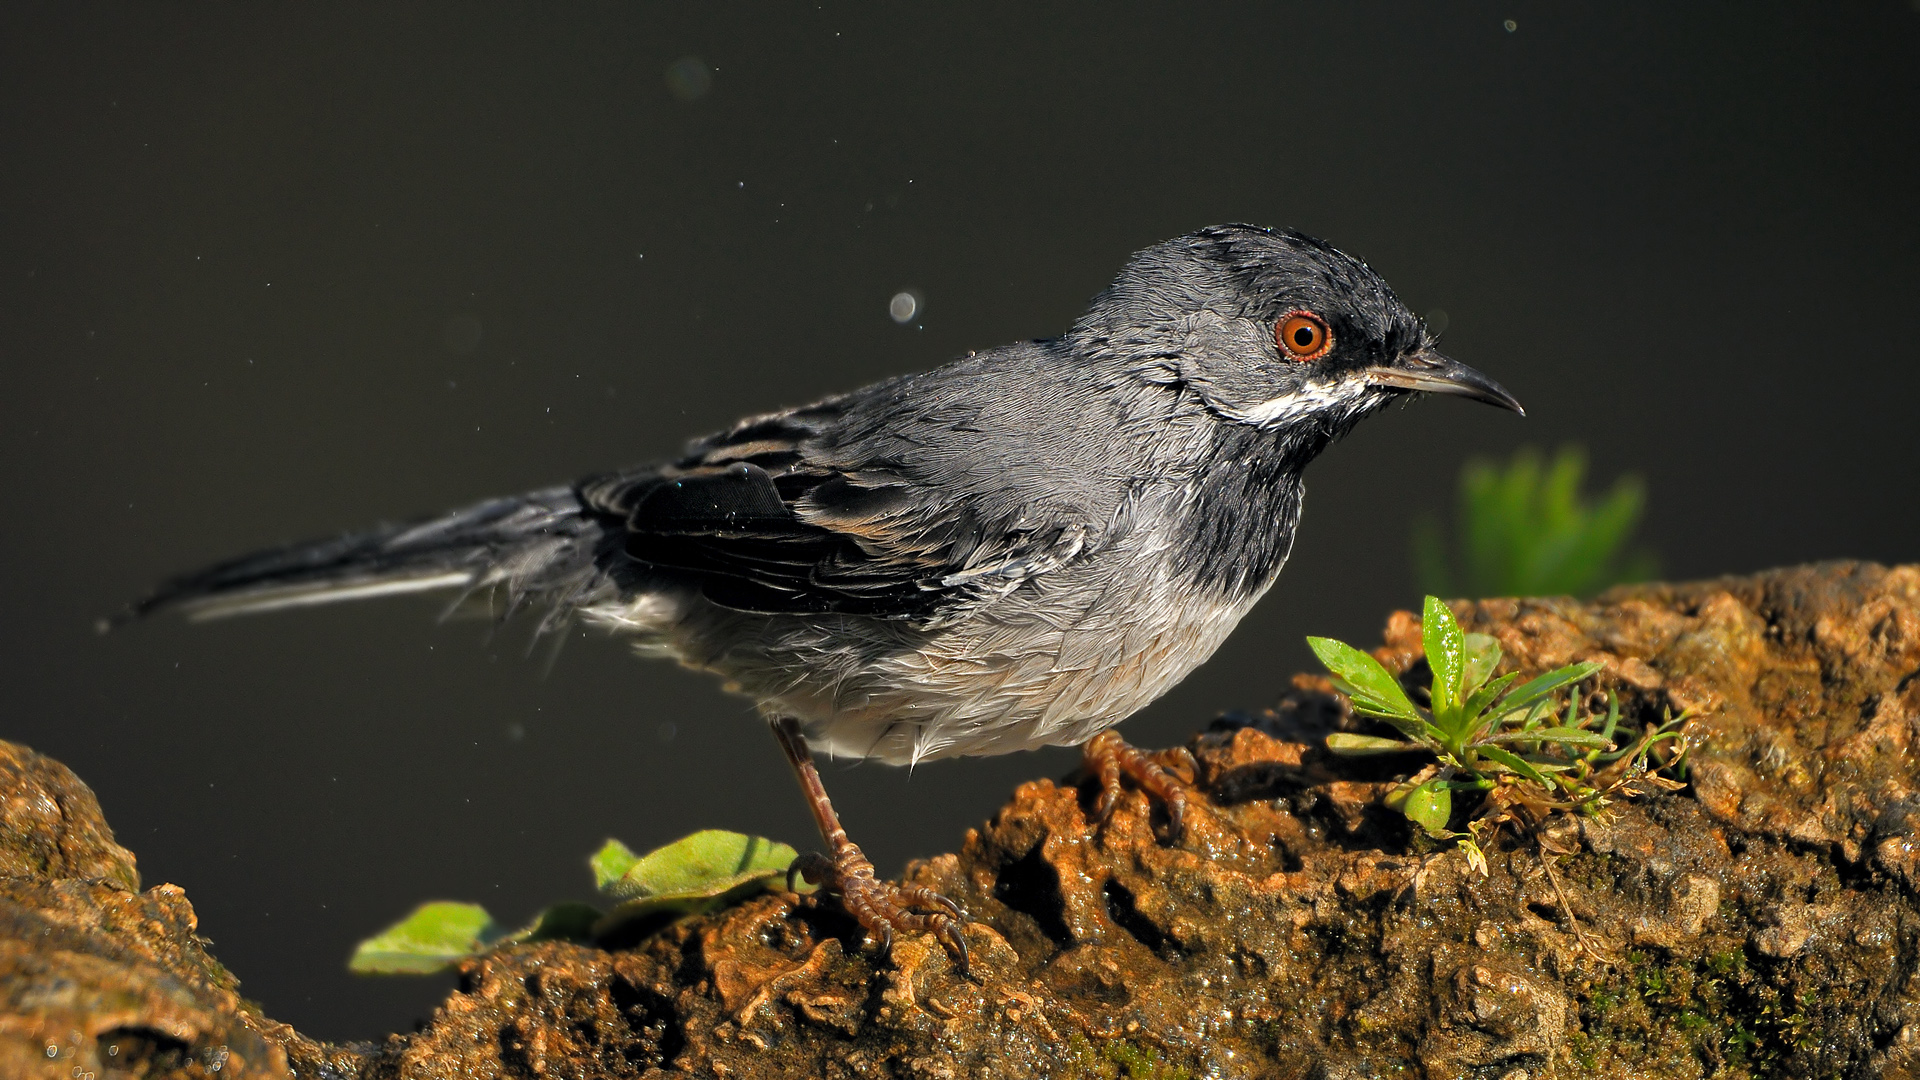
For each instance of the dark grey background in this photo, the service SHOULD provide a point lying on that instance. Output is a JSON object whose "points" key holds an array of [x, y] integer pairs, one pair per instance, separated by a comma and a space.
{"points": [[246, 250]]}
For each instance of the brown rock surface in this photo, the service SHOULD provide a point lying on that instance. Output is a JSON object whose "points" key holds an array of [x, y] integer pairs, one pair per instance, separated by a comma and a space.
{"points": [[96, 977], [1761, 923]]}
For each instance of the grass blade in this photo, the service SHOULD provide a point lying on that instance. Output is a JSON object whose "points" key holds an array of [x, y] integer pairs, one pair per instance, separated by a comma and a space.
{"points": [[1348, 744], [1580, 737], [1539, 687]]}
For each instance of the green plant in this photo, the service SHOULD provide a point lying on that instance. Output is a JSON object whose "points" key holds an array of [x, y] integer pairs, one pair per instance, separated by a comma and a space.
{"points": [[1526, 530], [1514, 746], [695, 873]]}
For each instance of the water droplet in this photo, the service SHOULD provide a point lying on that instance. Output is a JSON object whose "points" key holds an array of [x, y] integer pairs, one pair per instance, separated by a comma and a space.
{"points": [[689, 78], [905, 305]]}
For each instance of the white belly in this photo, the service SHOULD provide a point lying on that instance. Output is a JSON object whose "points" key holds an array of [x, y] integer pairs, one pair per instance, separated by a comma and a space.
{"points": [[1053, 663], [998, 692]]}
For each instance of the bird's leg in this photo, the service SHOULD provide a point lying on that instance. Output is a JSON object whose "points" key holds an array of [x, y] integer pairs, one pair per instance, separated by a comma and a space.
{"points": [[1108, 757], [881, 907]]}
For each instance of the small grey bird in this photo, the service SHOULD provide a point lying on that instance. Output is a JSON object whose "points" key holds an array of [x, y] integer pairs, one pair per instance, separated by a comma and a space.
{"points": [[1019, 549]]}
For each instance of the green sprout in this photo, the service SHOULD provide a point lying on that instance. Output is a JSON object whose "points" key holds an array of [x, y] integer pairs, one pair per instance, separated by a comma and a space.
{"points": [[1517, 747], [694, 874], [1526, 530]]}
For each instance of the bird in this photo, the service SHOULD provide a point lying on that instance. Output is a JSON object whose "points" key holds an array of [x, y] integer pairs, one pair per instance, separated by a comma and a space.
{"points": [[1018, 549]]}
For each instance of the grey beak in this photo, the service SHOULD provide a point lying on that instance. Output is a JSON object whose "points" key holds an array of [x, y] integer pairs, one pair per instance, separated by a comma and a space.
{"points": [[1434, 373]]}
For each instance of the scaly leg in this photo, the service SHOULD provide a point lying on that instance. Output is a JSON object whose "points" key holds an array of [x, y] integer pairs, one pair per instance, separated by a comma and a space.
{"points": [[1108, 757], [881, 907]]}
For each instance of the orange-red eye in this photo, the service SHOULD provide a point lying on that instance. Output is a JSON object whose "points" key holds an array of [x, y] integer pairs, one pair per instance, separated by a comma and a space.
{"points": [[1302, 335]]}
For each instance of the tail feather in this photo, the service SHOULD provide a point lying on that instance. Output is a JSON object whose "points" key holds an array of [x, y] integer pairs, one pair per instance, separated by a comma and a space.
{"points": [[537, 548]]}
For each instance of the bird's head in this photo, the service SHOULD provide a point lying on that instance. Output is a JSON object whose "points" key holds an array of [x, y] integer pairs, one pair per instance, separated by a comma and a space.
{"points": [[1274, 329]]}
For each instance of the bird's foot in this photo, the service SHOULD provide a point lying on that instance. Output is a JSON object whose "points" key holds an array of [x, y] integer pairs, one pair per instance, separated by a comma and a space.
{"points": [[1108, 757], [881, 907]]}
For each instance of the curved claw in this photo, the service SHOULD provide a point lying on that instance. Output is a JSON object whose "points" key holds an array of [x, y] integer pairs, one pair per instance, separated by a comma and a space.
{"points": [[948, 934], [1175, 798], [955, 944], [1109, 757]]}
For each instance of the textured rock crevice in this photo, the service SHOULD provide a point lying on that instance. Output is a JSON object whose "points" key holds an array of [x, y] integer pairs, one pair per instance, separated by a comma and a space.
{"points": [[1764, 922]]}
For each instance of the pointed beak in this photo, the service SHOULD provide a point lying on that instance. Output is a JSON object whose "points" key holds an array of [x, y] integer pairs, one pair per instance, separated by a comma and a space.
{"points": [[1429, 371]]}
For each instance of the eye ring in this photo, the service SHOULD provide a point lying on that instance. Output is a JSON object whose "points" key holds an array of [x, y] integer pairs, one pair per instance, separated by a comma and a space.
{"points": [[1303, 336]]}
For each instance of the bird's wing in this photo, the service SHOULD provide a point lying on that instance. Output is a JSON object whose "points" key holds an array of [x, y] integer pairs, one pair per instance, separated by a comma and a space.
{"points": [[784, 514]]}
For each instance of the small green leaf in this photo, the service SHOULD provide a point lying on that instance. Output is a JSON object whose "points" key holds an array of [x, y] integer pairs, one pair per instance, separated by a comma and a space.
{"points": [[1540, 710], [437, 935], [1374, 691], [1537, 688], [701, 866], [1347, 744], [1513, 762], [1446, 655], [693, 874], [1482, 656], [1476, 703], [1613, 716], [611, 863], [1427, 805], [1570, 736]]}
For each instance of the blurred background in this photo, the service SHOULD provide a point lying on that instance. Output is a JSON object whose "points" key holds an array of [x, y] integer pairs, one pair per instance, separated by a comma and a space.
{"points": [[269, 272]]}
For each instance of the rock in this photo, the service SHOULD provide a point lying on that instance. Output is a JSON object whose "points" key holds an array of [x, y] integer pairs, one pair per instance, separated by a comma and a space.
{"points": [[51, 826], [1762, 922], [96, 977]]}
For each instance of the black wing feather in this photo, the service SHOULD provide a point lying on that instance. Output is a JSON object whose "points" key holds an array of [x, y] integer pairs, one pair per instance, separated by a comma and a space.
{"points": [[886, 502], [730, 516]]}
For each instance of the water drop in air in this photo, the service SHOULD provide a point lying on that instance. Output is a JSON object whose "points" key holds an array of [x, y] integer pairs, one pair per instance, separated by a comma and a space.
{"points": [[689, 78]]}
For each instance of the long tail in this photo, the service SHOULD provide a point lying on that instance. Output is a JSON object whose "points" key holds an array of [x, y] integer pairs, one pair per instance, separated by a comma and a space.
{"points": [[539, 548]]}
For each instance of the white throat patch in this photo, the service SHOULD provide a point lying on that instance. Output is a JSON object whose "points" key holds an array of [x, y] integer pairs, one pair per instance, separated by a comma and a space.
{"points": [[1310, 398]]}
